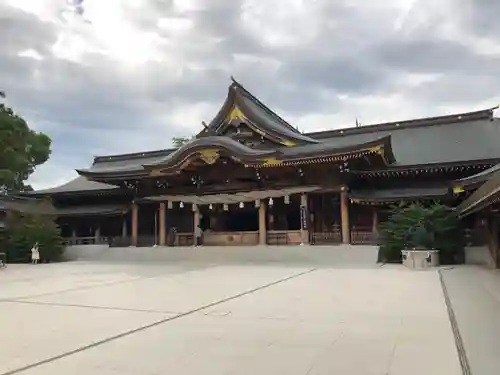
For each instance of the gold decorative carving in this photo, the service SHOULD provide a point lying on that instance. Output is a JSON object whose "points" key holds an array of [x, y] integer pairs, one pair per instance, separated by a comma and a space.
{"points": [[377, 149], [271, 162], [236, 114], [288, 143], [209, 156], [458, 189], [156, 173]]}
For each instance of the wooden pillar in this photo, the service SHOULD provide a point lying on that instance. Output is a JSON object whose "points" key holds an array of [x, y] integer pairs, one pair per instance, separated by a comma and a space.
{"points": [[375, 221], [344, 215], [304, 229], [493, 239], [124, 227], [135, 224], [73, 236], [161, 222], [97, 235], [262, 223], [196, 217]]}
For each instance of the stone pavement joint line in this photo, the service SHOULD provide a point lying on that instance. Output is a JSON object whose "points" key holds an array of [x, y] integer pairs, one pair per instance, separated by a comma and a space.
{"points": [[462, 355], [148, 326], [101, 285], [88, 306]]}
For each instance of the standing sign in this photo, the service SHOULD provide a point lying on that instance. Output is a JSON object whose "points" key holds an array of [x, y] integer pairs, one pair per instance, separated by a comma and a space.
{"points": [[303, 217]]}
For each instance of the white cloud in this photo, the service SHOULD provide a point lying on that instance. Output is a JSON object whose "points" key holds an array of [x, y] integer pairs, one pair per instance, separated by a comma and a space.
{"points": [[31, 54], [289, 23]]}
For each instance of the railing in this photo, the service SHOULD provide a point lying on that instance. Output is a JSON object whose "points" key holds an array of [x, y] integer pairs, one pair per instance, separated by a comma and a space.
{"points": [[284, 237], [120, 241], [277, 238], [184, 239], [319, 238], [363, 237], [247, 238]]}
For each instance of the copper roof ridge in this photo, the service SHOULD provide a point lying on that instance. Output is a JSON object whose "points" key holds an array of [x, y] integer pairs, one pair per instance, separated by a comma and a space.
{"points": [[419, 122], [133, 155], [264, 106]]}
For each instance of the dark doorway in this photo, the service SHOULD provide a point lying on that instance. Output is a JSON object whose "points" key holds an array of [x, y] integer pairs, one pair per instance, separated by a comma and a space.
{"points": [[293, 219], [205, 222], [241, 220], [234, 220]]}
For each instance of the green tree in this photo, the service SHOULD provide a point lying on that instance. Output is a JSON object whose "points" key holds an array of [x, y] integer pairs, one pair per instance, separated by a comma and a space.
{"points": [[418, 226], [24, 230], [181, 141], [21, 150]]}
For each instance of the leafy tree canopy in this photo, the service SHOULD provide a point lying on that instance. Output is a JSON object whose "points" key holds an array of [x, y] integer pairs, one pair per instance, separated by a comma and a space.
{"points": [[181, 141], [418, 226], [21, 150]]}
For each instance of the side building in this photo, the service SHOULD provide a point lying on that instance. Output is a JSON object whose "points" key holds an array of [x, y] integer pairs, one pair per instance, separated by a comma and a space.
{"points": [[249, 177]]}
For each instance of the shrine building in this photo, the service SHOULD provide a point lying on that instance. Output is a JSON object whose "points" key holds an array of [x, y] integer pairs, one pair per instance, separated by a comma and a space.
{"points": [[249, 177]]}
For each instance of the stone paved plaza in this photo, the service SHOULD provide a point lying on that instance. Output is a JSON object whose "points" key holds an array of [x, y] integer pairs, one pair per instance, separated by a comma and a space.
{"points": [[110, 318]]}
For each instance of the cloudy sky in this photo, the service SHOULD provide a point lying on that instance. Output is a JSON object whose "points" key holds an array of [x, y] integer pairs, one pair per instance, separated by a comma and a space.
{"points": [[128, 75]]}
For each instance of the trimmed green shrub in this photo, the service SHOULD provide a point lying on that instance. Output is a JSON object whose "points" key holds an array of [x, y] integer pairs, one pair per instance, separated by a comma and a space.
{"points": [[24, 230], [416, 226]]}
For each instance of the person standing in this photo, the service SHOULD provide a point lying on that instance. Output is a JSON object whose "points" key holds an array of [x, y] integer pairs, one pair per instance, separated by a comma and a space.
{"points": [[35, 254]]}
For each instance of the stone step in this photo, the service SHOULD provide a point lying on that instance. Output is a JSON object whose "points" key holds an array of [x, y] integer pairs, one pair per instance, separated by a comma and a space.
{"points": [[352, 255]]}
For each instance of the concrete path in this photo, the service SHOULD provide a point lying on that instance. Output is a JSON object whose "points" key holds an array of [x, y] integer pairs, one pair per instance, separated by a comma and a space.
{"points": [[88, 318], [475, 296]]}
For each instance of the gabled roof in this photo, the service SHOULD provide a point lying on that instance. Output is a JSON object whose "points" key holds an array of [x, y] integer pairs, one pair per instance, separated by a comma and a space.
{"points": [[76, 185], [242, 106]]}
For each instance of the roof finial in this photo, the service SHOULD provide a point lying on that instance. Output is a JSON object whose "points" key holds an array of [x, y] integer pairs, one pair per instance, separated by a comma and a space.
{"points": [[235, 82], [208, 130]]}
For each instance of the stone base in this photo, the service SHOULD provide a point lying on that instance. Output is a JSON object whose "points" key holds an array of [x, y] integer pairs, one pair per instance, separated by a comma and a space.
{"points": [[420, 259]]}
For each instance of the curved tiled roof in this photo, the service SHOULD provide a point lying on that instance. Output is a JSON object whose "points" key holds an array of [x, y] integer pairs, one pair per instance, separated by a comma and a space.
{"points": [[259, 116], [247, 155], [77, 184], [475, 179], [486, 195], [269, 122], [213, 142]]}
